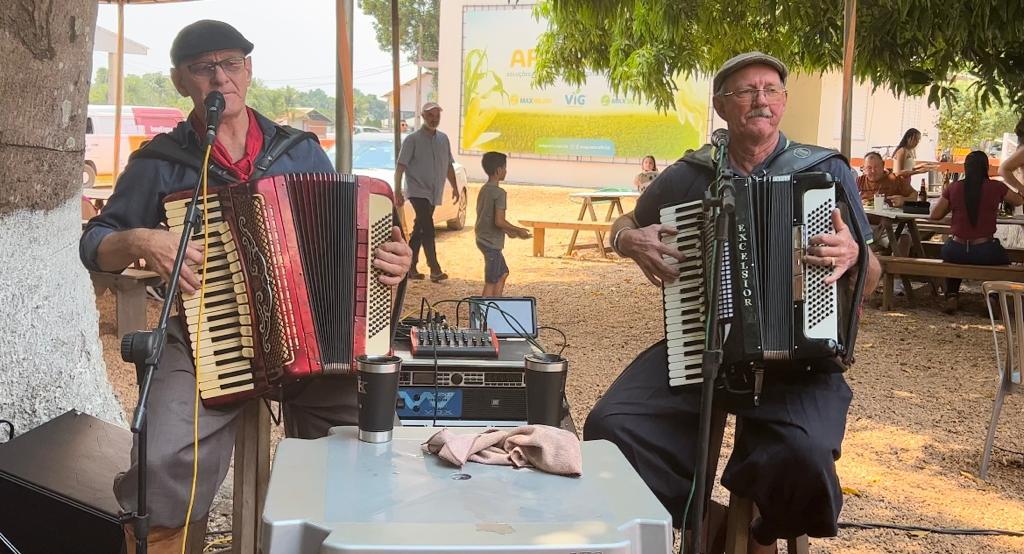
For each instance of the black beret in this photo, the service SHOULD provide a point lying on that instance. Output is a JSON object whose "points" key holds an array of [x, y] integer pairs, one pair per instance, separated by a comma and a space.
{"points": [[205, 36]]}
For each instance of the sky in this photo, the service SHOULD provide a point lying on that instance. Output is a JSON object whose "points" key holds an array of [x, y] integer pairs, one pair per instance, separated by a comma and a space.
{"points": [[294, 41]]}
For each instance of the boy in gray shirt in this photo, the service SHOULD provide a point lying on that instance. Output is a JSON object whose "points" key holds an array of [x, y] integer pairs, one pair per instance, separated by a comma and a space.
{"points": [[491, 225]]}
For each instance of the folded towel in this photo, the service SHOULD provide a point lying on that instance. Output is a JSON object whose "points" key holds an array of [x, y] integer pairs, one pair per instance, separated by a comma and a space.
{"points": [[548, 449]]}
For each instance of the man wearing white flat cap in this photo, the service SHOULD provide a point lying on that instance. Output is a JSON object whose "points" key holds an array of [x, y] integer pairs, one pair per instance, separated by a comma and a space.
{"points": [[425, 160]]}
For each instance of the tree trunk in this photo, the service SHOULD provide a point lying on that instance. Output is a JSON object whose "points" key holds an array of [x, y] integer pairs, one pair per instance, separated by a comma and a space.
{"points": [[51, 359]]}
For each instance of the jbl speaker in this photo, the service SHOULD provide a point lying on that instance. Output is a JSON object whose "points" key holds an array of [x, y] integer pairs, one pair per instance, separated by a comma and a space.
{"points": [[56, 486]]}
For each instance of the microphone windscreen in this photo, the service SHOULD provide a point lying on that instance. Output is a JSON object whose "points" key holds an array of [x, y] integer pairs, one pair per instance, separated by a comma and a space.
{"points": [[215, 101], [720, 138]]}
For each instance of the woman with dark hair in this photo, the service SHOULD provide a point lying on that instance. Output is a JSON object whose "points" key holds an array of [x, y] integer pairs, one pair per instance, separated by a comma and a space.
{"points": [[905, 157], [974, 201], [648, 171]]}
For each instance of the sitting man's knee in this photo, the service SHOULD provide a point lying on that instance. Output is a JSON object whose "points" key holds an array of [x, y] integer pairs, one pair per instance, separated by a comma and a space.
{"points": [[807, 454], [601, 424]]}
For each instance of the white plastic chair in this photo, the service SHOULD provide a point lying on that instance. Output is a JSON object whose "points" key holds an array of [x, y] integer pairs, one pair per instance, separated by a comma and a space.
{"points": [[1011, 311]]}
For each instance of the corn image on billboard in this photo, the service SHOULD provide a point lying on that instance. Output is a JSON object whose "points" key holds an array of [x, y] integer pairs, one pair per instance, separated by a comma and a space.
{"points": [[501, 111]]}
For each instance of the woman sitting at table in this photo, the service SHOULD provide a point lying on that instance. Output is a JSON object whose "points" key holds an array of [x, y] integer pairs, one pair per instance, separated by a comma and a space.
{"points": [[648, 171], [974, 201]]}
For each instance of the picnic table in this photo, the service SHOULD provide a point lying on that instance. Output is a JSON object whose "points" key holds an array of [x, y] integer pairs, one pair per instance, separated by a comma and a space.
{"points": [[97, 196], [613, 196], [894, 221]]}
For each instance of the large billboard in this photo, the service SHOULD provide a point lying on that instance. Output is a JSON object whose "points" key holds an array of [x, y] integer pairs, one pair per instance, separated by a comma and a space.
{"points": [[501, 111]]}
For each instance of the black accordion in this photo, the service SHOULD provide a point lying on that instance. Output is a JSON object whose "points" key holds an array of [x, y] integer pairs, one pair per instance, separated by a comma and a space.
{"points": [[772, 306]]}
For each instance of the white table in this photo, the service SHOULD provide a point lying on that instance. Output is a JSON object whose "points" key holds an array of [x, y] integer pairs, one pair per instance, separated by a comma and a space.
{"points": [[337, 494]]}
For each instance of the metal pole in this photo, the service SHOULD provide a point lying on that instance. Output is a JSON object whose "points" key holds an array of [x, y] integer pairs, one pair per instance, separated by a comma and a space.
{"points": [[118, 92], [343, 88], [419, 75], [396, 85], [849, 41]]}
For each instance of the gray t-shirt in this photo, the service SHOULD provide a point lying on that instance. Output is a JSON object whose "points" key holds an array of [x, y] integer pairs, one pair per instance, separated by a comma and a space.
{"points": [[426, 157], [491, 197]]}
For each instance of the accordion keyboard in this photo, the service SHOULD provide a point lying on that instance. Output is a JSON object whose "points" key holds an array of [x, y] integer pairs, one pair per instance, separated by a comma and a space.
{"points": [[225, 364], [684, 298]]}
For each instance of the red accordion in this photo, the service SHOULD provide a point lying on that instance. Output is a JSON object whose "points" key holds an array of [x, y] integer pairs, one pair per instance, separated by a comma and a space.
{"points": [[290, 289]]}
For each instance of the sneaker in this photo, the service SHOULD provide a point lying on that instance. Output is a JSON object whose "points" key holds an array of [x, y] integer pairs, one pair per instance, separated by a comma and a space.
{"points": [[897, 288], [438, 277], [416, 276], [952, 304]]}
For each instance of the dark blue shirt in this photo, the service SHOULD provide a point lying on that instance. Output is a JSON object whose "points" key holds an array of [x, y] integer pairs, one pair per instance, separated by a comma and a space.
{"points": [[137, 201], [685, 182]]}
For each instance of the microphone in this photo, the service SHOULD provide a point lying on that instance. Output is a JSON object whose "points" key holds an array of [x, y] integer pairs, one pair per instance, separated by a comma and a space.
{"points": [[214, 109], [720, 138]]}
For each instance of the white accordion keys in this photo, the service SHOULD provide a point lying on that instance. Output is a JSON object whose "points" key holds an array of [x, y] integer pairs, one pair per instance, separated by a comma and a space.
{"points": [[684, 298]]}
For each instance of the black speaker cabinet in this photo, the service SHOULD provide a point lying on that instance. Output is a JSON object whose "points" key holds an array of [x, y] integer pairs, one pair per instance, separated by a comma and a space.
{"points": [[56, 483]]}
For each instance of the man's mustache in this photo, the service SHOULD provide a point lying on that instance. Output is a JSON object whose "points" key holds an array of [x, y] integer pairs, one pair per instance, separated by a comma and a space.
{"points": [[760, 112]]}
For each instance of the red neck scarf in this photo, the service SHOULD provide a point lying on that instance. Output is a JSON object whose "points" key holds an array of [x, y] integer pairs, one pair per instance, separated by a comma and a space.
{"points": [[242, 168]]}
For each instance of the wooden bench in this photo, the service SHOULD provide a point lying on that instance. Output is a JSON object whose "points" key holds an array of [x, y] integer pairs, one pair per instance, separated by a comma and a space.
{"points": [[934, 250], [130, 289], [927, 267], [539, 228]]}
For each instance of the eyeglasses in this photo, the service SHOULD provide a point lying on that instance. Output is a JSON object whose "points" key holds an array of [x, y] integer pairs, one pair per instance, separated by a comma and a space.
{"points": [[209, 69], [748, 95]]}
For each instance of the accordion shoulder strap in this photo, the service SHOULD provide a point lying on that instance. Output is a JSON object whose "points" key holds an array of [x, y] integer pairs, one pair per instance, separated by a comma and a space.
{"points": [[794, 158], [285, 138], [165, 147]]}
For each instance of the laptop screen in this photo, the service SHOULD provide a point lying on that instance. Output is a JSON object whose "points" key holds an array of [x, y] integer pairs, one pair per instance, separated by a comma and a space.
{"points": [[507, 316]]}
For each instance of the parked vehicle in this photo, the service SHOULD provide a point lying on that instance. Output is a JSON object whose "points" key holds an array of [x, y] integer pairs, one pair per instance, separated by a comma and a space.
{"points": [[138, 123], [373, 155]]}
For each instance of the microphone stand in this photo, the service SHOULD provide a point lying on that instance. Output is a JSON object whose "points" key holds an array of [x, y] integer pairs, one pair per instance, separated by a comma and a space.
{"points": [[144, 349], [719, 201]]}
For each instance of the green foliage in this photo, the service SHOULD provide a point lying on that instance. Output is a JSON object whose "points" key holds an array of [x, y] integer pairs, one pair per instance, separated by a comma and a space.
{"points": [[419, 21], [155, 89], [909, 46], [964, 123]]}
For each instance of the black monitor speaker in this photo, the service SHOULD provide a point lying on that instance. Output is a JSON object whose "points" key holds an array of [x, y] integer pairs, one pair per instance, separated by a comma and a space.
{"points": [[56, 486]]}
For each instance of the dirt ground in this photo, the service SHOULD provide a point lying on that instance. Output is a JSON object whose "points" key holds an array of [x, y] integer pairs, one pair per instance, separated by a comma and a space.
{"points": [[923, 384]]}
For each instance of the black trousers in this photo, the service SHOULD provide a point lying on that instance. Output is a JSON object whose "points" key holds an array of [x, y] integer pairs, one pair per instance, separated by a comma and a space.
{"points": [[423, 234], [784, 458]]}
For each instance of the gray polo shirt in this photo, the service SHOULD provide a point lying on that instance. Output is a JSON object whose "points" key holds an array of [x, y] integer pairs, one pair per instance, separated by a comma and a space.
{"points": [[426, 157]]}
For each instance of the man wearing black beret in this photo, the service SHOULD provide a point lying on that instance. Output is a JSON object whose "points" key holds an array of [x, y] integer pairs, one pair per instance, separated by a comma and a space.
{"points": [[207, 56]]}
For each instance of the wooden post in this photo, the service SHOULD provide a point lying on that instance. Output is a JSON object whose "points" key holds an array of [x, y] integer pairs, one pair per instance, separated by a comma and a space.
{"points": [[252, 473], [849, 44], [538, 241]]}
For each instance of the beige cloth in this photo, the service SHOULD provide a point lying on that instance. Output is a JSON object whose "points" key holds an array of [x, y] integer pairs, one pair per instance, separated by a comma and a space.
{"points": [[548, 449]]}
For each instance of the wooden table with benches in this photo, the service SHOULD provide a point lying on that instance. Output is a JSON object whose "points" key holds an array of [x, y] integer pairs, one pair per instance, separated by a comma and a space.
{"points": [[922, 259], [129, 286], [540, 227], [614, 199]]}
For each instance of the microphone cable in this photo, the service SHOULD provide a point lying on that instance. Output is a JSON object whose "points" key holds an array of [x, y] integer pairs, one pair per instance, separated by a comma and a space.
{"points": [[197, 347]]}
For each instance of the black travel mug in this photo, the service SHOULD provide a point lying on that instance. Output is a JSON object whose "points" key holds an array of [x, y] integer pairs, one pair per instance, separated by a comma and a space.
{"points": [[545, 383], [377, 378]]}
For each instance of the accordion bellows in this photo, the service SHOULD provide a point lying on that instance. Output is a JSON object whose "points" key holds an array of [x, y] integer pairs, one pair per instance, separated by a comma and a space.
{"points": [[290, 289]]}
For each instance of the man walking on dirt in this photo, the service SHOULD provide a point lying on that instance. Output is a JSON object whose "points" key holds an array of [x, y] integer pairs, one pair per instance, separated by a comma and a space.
{"points": [[425, 160]]}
